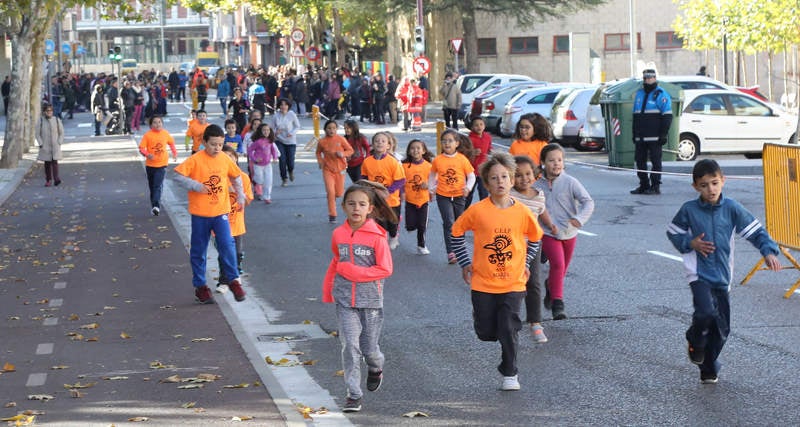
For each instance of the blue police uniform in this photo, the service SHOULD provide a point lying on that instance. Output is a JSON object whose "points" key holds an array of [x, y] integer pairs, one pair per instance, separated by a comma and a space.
{"points": [[652, 117]]}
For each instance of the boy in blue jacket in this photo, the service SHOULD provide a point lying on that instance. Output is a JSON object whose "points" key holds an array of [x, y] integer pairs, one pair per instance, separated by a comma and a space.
{"points": [[702, 231]]}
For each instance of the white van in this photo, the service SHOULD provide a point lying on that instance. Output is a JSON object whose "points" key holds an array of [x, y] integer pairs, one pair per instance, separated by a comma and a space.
{"points": [[473, 84]]}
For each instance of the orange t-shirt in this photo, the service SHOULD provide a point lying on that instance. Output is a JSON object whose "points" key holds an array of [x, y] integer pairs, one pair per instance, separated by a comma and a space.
{"points": [[385, 171], [195, 131], [156, 143], [326, 153], [451, 174], [500, 236], [532, 149], [236, 217], [417, 174], [216, 174]]}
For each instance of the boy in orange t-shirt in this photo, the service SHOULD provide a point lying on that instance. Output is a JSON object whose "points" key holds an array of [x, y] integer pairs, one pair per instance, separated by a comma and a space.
{"points": [[195, 131], [208, 175], [502, 261]]}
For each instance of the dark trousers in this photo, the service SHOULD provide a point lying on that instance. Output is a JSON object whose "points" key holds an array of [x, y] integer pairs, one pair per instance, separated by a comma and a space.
{"points": [[286, 161], [417, 219], [482, 191], [496, 318], [366, 111], [651, 150], [5, 105], [354, 172], [450, 208], [97, 127], [239, 242], [51, 170], [711, 323], [155, 180], [451, 117], [533, 296]]}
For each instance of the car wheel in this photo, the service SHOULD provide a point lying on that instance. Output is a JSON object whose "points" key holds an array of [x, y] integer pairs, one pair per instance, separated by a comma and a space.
{"points": [[497, 129], [793, 139], [688, 148]]}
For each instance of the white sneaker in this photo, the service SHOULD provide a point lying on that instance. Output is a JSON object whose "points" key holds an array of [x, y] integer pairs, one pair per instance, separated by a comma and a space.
{"points": [[222, 288], [422, 250], [155, 210], [510, 384], [394, 242]]}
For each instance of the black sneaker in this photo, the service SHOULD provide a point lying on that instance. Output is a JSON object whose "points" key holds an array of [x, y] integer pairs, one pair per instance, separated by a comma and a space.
{"points": [[203, 295], [374, 380], [352, 405], [696, 356], [708, 378], [639, 190], [653, 190], [558, 310]]}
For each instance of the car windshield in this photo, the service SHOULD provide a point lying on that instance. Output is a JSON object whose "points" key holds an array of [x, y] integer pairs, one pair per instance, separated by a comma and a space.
{"points": [[206, 62], [471, 83]]}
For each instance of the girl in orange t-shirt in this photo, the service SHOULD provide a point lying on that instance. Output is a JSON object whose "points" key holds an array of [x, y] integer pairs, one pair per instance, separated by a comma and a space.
{"points": [[531, 135], [154, 147], [417, 167], [332, 153], [452, 178]]}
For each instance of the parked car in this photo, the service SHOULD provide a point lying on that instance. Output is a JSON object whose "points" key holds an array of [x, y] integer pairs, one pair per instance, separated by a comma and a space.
{"points": [[492, 106], [702, 82], [536, 100], [728, 121], [476, 109], [592, 135], [568, 114], [474, 84], [186, 67]]}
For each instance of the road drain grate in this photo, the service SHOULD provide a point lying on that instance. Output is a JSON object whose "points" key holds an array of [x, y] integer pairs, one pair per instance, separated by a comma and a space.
{"points": [[283, 336]]}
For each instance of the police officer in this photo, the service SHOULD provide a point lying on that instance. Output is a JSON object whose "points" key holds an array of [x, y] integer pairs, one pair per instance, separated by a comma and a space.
{"points": [[652, 116]]}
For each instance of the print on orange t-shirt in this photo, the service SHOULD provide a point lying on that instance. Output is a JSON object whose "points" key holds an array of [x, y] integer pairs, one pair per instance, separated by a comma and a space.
{"points": [[532, 149], [416, 176], [216, 174], [385, 171], [236, 216], [451, 174], [156, 143]]}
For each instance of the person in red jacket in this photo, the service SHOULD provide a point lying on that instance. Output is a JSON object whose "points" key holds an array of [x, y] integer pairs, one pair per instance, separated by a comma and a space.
{"points": [[354, 281]]}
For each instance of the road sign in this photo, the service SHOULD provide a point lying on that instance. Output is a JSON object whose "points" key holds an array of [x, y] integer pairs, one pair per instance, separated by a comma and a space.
{"points": [[297, 35], [297, 51], [422, 65], [49, 47], [456, 44], [66, 48], [312, 53]]}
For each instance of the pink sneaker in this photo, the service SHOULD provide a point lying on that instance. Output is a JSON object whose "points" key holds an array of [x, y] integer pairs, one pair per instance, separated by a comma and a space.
{"points": [[268, 201]]}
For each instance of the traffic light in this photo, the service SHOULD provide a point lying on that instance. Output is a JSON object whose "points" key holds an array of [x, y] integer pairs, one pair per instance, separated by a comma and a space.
{"points": [[327, 40], [419, 40], [115, 54]]}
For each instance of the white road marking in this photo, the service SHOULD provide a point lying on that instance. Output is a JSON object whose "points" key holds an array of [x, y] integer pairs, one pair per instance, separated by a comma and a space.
{"points": [[60, 285], [56, 302], [50, 321], [44, 348], [586, 233], [666, 255], [35, 380]]}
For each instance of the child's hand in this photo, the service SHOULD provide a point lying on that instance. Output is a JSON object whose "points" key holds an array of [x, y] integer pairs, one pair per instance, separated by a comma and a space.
{"points": [[705, 248], [554, 229], [466, 191], [150, 157], [466, 274], [575, 223], [772, 262]]}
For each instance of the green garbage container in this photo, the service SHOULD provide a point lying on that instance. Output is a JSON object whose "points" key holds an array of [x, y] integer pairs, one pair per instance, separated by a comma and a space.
{"points": [[616, 103]]}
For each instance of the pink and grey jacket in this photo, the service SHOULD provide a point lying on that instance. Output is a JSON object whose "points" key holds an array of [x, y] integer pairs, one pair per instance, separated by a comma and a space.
{"points": [[361, 260]]}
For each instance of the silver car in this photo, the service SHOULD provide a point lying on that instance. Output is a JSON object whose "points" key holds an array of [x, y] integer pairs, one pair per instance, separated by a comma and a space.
{"points": [[570, 115], [536, 100], [494, 105]]}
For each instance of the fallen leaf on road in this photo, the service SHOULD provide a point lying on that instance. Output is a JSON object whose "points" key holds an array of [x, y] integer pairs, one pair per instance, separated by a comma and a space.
{"points": [[73, 317], [13, 318], [242, 418], [78, 385], [171, 379], [413, 414], [20, 420], [242, 385], [339, 373], [92, 339], [90, 326], [202, 339], [10, 405], [189, 386], [43, 301], [57, 367], [124, 335], [43, 397], [295, 353], [189, 405], [115, 378], [138, 419], [76, 394], [308, 322], [159, 365], [210, 377], [309, 362], [308, 411], [7, 367]]}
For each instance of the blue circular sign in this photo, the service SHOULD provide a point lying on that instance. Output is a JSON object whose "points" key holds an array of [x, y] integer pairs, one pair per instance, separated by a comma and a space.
{"points": [[49, 47], [66, 48]]}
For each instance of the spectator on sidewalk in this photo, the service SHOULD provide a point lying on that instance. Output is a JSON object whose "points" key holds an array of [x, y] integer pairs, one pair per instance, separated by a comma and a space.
{"points": [[98, 107], [50, 136], [5, 89], [451, 100]]}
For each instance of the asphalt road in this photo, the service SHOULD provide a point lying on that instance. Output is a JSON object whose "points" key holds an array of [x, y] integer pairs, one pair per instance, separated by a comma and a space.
{"points": [[618, 360]]}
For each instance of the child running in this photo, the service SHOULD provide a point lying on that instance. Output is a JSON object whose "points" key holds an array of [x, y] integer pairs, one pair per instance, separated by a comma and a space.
{"points": [[208, 176], [417, 167], [232, 138], [702, 231], [195, 130], [523, 190], [360, 149], [261, 153], [451, 179], [332, 153], [569, 206], [236, 219], [482, 143], [354, 282], [532, 133], [384, 169], [153, 147], [502, 260]]}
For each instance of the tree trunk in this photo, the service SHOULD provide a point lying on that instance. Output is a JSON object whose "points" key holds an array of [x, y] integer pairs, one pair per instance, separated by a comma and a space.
{"points": [[17, 122], [338, 39], [470, 37]]}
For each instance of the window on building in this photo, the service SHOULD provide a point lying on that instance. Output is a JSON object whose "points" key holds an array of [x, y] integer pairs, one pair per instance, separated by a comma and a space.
{"points": [[668, 40], [487, 47], [523, 45], [87, 13], [560, 44], [622, 41]]}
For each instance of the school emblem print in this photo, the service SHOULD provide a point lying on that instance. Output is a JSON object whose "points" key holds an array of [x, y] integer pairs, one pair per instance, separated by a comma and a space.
{"points": [[500, 251], [416, 183], [380, 179], [214, 189], [158, 149], [450, 176]]}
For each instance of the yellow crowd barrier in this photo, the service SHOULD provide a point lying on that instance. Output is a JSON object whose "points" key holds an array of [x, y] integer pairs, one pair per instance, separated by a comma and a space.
{"points": [[312, 144], [781, 166]]}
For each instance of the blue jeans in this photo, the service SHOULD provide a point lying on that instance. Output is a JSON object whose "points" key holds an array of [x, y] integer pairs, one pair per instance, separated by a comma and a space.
{"points": [[223, 102], [201, 233], [286, 161], [451, 208], [155, 180], [711, 323]]}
